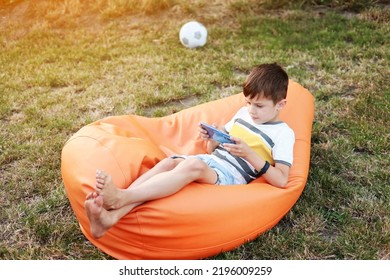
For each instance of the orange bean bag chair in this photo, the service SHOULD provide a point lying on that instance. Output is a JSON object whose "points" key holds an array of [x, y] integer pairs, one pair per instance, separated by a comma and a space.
{"points": [[201, 220]]}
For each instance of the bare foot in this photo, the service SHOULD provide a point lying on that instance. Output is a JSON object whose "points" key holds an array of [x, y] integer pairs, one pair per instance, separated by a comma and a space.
{"points": [[110, 192], [99, 218]]}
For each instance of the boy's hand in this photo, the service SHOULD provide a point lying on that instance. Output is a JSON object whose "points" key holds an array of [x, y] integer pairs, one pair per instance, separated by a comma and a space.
{"points": [[211, 144], [203, 132], [240, 149]]}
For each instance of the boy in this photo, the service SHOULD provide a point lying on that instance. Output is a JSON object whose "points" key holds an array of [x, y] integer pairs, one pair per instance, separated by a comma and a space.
{"points": [[263, 147]]}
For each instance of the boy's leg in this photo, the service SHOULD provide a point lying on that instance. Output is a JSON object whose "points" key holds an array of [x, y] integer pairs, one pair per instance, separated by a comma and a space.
{"points": [[160, 185], [104, 184], [100, 219], [164, 165], [189, 170]]}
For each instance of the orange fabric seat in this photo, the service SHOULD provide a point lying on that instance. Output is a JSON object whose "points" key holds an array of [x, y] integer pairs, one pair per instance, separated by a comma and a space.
{"points": [[200, 220]]}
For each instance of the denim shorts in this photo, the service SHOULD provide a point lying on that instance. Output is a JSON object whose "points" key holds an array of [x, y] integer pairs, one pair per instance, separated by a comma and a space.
{"points": [[226, 174]]}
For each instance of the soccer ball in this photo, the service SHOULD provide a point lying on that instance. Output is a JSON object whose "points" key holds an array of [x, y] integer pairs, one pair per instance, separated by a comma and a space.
{"points": [[193, 34]]}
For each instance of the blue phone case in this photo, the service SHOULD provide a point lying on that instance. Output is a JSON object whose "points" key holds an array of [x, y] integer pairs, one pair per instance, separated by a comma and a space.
{"points": [[217, 134]]}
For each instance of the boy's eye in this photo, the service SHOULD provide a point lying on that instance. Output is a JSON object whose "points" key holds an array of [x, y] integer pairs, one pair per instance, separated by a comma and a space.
{"points": [[257, 105]]}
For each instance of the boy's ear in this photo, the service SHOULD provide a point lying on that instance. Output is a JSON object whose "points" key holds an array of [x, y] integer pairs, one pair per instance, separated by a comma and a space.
{"points": [[281, 104]]}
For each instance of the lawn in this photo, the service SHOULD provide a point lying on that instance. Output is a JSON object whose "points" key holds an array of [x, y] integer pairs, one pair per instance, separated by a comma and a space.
{"points": [[64, 64]]}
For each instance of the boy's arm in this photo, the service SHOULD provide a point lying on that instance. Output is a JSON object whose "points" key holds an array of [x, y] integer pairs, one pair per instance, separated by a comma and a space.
{"points": [[275, 175], [211, 145]]}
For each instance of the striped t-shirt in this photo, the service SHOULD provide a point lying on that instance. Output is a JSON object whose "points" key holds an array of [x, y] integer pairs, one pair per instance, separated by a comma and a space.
{"points": [[273, 142]]}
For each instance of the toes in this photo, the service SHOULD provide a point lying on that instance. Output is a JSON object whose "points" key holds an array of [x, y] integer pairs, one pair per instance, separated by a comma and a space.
{"points": [[100, 179], [92, 195], [99, 201], [100, 183], [89, 196], [98, 191], [100, 174]]}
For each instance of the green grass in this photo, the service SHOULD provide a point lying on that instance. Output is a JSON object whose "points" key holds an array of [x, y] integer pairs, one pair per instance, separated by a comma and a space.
{"points": [[62, 69]]}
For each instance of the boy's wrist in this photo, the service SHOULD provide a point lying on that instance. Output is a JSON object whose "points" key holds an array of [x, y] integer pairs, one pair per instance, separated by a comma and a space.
{"points": [[252, 158], [257, 163], [211, 145], [264, 169]]}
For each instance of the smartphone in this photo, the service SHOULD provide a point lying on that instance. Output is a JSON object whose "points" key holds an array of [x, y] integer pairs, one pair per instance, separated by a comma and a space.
{"points": [[217, 134]]}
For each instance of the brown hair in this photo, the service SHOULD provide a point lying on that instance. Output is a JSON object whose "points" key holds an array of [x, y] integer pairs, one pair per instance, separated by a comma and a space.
{"points": [[268, 80]]}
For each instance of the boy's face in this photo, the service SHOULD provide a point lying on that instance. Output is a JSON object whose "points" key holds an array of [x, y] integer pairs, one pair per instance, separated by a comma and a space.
{"points": [[263, 110]]}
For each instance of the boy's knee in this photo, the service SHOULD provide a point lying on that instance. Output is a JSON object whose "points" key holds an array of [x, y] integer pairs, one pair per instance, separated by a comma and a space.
{"points": [[194, 165], [168, 163]]}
